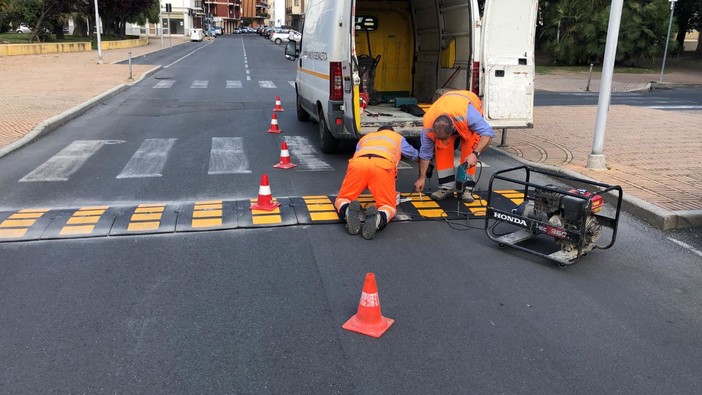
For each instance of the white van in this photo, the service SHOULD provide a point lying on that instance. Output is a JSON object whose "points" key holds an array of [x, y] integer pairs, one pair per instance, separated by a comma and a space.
{"points": [[396, 57], [197, 35]]}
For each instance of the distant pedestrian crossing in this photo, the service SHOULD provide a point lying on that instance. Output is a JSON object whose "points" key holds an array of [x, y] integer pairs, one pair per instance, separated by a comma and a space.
{"points": [[228, 84], [227, 156]]}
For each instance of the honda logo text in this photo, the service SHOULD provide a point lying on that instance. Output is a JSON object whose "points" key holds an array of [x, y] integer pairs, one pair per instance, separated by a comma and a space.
{"points": [[509, 218]]}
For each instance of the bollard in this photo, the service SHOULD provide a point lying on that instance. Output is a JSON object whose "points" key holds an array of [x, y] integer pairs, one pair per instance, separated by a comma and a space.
{"points": [[503, 141], [589, 78], [129, 56]]}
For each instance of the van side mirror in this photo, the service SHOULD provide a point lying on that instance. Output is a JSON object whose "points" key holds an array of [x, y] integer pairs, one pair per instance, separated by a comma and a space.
{"points": [[291, 52]]}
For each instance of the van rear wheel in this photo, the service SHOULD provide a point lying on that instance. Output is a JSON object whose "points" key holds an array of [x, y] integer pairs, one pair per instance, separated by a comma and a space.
{"points": [[328, 143]]}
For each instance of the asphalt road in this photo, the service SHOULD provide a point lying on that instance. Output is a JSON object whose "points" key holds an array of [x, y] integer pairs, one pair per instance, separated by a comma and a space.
{"points": [[260, 310]]}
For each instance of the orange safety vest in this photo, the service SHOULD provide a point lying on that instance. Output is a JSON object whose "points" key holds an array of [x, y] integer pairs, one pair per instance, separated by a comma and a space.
{"points": [[455, 105], [385, 143]]}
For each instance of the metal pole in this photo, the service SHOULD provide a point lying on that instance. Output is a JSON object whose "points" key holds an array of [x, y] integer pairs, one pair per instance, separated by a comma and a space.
{"points": [[160, 25], [589, 78], [596, 160], [97, 29], [129, 56], [667, 39], [170, 42]]}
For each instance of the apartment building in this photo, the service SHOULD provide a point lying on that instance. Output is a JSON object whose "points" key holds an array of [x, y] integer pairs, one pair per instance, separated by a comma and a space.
{"points": [[295, 13]]}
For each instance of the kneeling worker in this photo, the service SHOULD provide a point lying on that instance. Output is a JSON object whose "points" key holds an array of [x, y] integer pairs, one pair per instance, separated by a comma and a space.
{"points": [[456, 118], [373, 166]]}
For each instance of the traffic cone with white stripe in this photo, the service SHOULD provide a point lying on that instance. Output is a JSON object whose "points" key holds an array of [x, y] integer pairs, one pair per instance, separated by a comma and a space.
{"points": [[265, 200], [284, 162], [278, 105], [369, 320], [274, 125]]}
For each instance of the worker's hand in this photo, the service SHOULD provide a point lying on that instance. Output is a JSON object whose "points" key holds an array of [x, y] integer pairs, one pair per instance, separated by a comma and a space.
{"points": [[419, 184], [471, 160]]}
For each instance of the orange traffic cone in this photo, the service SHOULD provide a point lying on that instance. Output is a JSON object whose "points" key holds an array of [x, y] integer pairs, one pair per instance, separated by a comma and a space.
{"points": [[274, 125], [284, 162], [369, 320], [265, 200], [278, 106]]}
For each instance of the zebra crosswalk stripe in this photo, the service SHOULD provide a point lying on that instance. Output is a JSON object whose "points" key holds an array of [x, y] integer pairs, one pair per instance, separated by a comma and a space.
{"points": [[234, 84], [149, 160], [227, 156], [199, 84], [307, 159], [266, 84], [164, 84], [66, 162]]}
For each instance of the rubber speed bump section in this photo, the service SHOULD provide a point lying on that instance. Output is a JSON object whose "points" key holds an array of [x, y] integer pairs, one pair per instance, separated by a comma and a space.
{"points": [[477, 207], [318, 209], [91, 221], [25, 224], [283, 215], [424, 206], [144, 219], [207, 215]]}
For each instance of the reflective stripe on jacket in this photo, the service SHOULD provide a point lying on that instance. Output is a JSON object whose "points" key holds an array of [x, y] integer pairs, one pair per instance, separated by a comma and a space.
{"points": [[385, 143]]}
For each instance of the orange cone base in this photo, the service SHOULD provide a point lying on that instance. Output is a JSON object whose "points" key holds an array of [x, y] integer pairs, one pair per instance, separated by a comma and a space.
{"points": [[374, 330], [265, 207], [278, 109], [285, 165], [274, 131]]}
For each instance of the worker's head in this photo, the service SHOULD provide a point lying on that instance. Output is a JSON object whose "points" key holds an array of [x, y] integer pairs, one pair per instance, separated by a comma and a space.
{"points": [[385, 127], [442, 127]]}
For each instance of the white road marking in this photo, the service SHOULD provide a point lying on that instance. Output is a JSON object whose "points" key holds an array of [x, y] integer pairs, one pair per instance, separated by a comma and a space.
{"points": [[266, 84], [234, 84], [307, 158], [67, 161], [149, 159], [292, 83], [199, 84], [686, 246], [164, 84], [403, 165], [169, 65], [227, 156]]}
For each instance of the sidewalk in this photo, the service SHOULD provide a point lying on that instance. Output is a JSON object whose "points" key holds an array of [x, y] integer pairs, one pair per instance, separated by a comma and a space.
{"points": [[656, 156]]}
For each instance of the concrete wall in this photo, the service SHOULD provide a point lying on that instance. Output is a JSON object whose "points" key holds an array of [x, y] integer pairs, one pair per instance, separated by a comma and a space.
{"points": [[140, 42], [42, 48]]}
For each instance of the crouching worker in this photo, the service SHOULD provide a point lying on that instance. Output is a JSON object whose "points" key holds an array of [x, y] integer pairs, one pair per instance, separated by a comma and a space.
{"points": [[455, 119], [373, 167]]}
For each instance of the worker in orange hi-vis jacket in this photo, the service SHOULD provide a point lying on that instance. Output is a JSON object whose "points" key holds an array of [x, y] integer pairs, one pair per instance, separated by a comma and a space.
{"points": [[373, 167], [455, 119]]}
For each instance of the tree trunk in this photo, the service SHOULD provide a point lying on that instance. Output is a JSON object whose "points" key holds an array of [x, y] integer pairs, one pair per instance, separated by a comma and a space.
{"points": [[698, 52]]}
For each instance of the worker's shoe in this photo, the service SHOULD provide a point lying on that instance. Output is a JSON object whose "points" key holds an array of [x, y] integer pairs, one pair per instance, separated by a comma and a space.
{"points": [[442, 193], [353, 217], [375, 220], [467, 196]]}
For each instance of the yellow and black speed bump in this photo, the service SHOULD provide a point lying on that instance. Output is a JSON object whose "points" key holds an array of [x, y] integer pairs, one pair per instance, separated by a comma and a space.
{"points": [[207, 215], [315, 209], [507, 199], [25, 224], [144, 219], [283, 215], [92, 221]]}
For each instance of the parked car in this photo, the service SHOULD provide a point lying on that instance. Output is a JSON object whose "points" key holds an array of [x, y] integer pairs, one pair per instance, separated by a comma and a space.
{"points": [[280, 36], [197, 35], [23, 28], [218, 30]]}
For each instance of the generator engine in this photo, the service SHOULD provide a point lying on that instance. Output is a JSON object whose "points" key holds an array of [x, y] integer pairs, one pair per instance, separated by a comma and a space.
{"points": [[555, 206]]}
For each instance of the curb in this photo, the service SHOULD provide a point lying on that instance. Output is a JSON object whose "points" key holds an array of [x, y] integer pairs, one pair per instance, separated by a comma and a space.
{"points": [[654, 215], [54, 122]]}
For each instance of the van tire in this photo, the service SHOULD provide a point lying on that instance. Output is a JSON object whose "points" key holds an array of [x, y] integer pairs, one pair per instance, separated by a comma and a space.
{"points": [[327, 143], [302, 115]]}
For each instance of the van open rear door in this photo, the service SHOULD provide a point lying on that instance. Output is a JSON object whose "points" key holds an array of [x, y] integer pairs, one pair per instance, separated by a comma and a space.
{"points": [[507, 62]]}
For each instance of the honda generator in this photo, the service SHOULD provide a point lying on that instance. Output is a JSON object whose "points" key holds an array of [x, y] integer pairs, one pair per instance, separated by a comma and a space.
{"points": [[558, 222]]}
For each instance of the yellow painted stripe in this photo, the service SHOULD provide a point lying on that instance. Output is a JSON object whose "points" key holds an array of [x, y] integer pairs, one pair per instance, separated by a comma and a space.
{"points": [[479, 212], [149, 209], [317, 201], [146, 217], [267, 219], [34, 210], [264, 212], [425, 204], [152, 205], [76, 230], [321, 207], [83, 220], [315, 197], [95, 208], [88, 212], [325, 216], [134, 226], [207, 206], [12, 232], [207, 214], [209, 202], [435, 213], [15, 223], [25, 215], [208, 222], [314, 73]]}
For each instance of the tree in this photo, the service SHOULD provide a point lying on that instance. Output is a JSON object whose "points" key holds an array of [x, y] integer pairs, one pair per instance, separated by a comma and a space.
{"points": [[688, 14]]}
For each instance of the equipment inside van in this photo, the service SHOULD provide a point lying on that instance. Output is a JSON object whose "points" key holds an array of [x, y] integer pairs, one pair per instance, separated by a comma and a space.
{"points": [[366, 63]]}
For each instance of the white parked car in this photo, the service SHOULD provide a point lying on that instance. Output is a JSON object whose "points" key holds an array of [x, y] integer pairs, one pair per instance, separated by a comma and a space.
{"points": [[280, 36], [294, 36], [23, 28], [197, 35]]}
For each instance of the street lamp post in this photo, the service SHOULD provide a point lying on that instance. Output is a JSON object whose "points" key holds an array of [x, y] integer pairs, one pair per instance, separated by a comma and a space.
{"points": [[97, 29], [667, 39]]}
